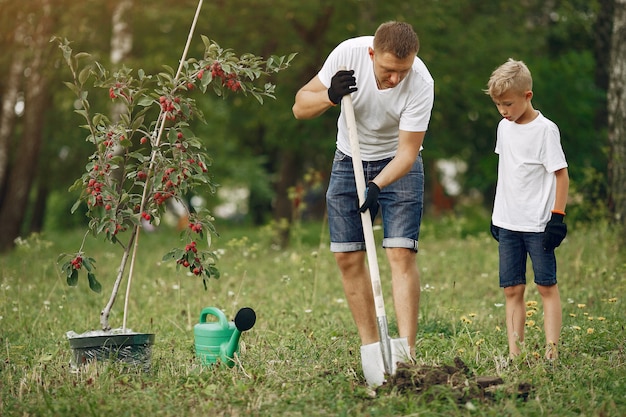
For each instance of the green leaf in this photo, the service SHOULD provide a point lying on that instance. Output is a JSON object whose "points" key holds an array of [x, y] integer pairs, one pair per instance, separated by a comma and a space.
{"points": [[72, 87], [83, 76], [88, 263], [93, 283], [72, 278], [126, 143], [75, 206], [169, 256], [145, 101]]}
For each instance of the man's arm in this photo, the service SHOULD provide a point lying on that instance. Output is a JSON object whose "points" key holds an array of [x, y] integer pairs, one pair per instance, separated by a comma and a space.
{"points": [[311, 100], [409, 145]]}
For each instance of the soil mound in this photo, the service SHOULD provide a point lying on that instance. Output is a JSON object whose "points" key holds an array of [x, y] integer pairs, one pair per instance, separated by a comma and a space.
{"points": [[458, 380]]}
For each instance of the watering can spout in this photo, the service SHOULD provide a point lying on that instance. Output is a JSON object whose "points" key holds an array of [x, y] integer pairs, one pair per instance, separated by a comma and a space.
{"points": [[244, 320], [231, 347]]}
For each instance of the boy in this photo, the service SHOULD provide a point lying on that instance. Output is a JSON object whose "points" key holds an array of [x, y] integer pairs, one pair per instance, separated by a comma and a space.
{"points": [[529, 205]]}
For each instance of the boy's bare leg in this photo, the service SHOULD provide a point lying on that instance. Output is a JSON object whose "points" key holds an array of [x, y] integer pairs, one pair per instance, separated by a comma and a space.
{"points": [[515, 317], [357, 287], [406, 292], [552, 318]]}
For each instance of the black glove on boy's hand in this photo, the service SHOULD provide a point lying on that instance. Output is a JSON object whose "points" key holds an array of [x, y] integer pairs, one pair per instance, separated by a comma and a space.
{"points": [[371, 198], [342, 83], [555, 232]]}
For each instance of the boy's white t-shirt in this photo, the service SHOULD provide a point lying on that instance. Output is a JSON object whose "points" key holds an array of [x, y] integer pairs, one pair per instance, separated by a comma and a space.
{"points": [[380, 114], [529, 154]]}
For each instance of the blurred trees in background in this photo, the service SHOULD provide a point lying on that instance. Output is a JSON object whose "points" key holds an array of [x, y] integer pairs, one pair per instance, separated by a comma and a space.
{"points": [[281, 161]]}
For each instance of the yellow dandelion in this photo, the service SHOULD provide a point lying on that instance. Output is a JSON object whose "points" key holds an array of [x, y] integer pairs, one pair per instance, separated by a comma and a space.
{"points": [[582, 305], [465, 320], [530, 313], [498, 329], [531, 304], [590, 318], [601, 318], [613, 300], [576, 327], [572, 315], [585, 314], [530, 323], [479, 342], [590, 330], [461, 350], [472, 314], [536, 355]]}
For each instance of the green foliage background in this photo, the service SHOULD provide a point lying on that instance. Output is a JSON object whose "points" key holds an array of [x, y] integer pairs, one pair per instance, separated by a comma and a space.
{"points": [[462, 41]]}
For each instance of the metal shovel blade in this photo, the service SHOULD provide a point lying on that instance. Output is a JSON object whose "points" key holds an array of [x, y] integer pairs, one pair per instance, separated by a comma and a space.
{"points": [[372, 360]]}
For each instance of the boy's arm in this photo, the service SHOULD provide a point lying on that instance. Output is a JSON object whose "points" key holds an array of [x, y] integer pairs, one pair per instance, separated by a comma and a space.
{"points": [[556, 230], [562, 189]]}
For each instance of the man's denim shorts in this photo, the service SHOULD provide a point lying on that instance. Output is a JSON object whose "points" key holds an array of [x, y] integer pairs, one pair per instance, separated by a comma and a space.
{"points": [[514, 248], [401, 205]]}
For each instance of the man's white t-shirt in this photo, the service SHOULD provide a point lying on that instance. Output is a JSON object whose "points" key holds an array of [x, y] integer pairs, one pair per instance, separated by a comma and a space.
{"points": [[380, 114], [529, 154]]}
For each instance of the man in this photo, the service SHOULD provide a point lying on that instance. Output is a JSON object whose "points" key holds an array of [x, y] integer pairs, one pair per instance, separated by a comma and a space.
{"points": [[392, 93]]}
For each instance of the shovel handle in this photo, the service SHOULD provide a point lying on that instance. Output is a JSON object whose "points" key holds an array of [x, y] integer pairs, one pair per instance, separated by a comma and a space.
{"points": [[366, 219], [368, 233]]}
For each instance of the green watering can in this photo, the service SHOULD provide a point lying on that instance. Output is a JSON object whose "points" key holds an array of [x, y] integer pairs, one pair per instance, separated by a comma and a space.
{"points": [[218, 341]]}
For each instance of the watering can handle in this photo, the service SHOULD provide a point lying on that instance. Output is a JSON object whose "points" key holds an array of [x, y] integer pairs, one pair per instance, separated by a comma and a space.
{"points": [[213, 311]]}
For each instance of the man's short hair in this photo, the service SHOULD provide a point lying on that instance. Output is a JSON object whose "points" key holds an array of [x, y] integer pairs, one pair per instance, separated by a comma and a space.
{"points": [[399, 38], [511, 76]]}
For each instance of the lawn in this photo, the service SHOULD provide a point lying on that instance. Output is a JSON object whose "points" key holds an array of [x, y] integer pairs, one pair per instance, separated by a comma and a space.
{"points": [[302, 356]]}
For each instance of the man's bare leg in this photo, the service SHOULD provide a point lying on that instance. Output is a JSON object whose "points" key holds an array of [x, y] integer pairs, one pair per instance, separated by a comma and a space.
{"points": [[406, 292], [357, 287]]}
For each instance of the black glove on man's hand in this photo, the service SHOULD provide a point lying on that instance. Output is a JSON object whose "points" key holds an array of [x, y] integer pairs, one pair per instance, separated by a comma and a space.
{"points": [[342, 83], [495, 232], [371, 198], [555, 232]]}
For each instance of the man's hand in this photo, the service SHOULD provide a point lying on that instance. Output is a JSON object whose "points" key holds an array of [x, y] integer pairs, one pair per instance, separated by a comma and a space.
{"points": [[342, 83], [555, 232], [371, 198]]}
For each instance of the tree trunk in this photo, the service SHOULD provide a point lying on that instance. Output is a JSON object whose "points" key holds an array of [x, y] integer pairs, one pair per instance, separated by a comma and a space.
{"points": [[282, 204], [26, 156], [121, 47], [38, 212], [602, 29], [9, 100], [616, 99]]}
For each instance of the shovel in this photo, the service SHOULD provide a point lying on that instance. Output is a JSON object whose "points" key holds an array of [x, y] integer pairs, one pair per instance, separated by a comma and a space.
{"points": [[380, 358]]}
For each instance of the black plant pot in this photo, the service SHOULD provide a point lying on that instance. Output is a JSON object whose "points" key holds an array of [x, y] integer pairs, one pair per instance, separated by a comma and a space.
{"points": [[134, 349]]}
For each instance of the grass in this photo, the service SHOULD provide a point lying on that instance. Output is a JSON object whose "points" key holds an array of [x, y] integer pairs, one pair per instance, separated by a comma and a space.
{"points": [[302, 356]]}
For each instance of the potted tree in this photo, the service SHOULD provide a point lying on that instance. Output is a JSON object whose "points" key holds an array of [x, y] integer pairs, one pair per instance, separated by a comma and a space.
{"points": [[141, 161]]}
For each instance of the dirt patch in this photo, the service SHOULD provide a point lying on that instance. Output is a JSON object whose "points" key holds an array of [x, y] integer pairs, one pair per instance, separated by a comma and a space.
{"points": [[458, 379]]}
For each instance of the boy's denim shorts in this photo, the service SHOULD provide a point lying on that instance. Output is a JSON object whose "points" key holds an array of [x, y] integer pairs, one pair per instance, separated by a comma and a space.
{"points": [[514, 248], [401, 205]]}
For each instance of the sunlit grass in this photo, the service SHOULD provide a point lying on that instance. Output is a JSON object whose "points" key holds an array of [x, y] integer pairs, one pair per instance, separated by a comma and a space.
{"points": [[302, 356]]}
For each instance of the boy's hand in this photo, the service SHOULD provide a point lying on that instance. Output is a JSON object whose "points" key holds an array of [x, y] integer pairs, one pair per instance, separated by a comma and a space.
{"points": [[555, 232], [342, 83]]}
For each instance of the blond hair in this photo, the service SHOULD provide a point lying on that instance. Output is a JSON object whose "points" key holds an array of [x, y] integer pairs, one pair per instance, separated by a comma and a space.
{"points": [[399, 38], [511, 76]]}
